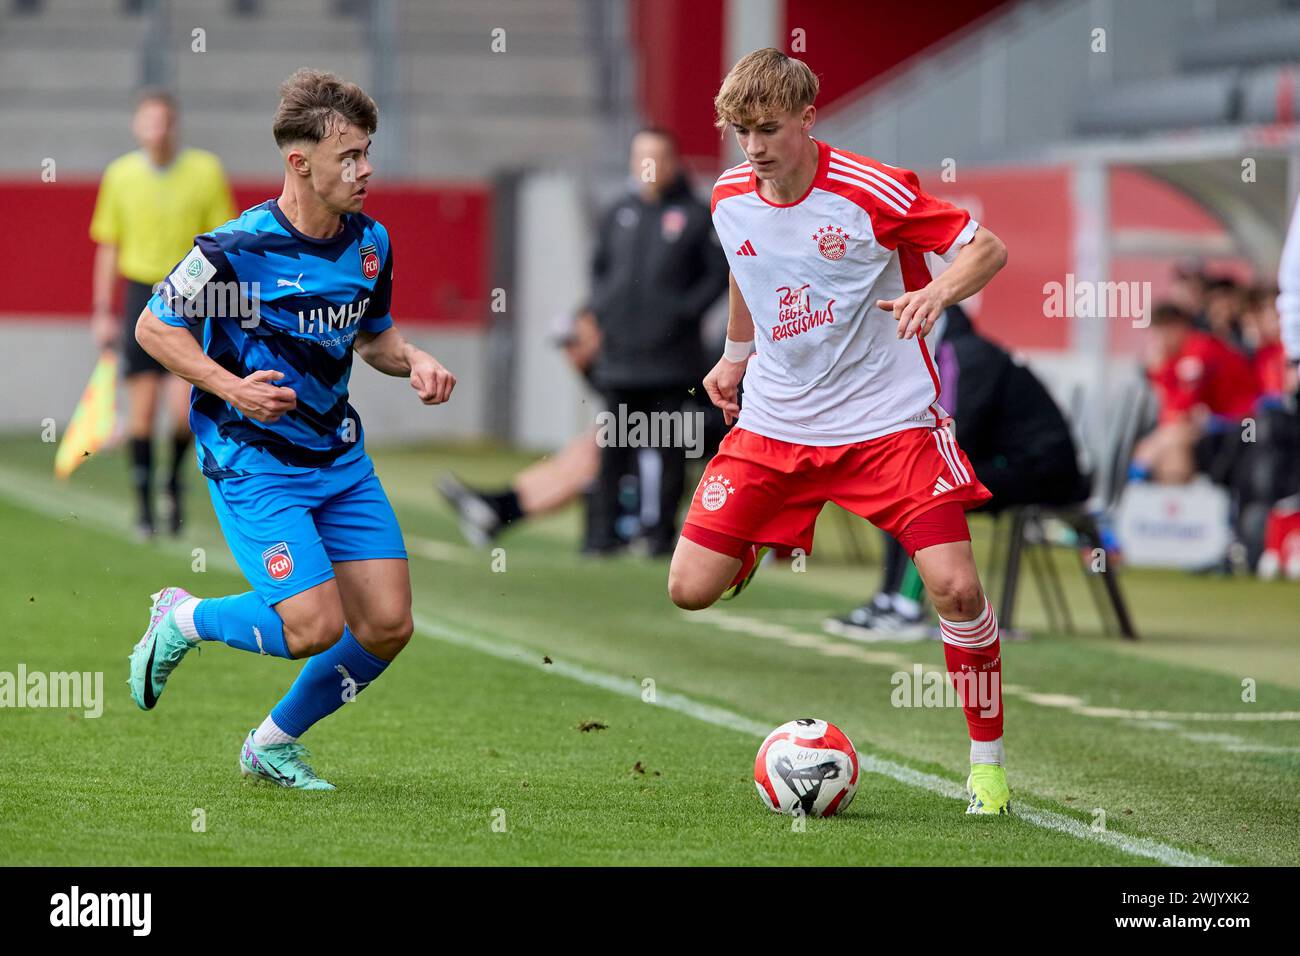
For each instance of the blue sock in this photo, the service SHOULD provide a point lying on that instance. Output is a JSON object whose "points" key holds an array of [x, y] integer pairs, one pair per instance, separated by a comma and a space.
{"points": [[1138, 472], [244, 621], [325, 683]]}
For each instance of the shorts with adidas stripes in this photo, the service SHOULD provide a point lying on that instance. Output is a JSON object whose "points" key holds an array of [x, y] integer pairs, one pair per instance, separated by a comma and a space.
{"points": [[769, 492]]}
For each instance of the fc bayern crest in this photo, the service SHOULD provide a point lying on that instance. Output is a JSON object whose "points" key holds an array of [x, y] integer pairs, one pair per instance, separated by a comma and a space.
{"points": [[369, 261], [831, 242], [716, 491], [278, 561]]}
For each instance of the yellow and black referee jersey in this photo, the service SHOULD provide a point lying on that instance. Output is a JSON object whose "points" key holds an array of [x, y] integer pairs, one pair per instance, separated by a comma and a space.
{"points": [[152, 215]]}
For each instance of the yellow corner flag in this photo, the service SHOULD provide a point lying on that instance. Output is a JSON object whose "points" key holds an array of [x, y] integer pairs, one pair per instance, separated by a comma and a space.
{"points": [[92, 420]]}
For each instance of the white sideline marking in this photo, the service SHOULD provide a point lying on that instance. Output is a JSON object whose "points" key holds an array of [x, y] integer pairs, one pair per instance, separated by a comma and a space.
{"points": [[795, 637], [436, 550], [721, 717], [98, 513]]}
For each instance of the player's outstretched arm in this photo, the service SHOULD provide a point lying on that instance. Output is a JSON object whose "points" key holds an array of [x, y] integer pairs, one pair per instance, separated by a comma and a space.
{"points": [[174, 347], [976, 263], [722, 385], [389, 352]]}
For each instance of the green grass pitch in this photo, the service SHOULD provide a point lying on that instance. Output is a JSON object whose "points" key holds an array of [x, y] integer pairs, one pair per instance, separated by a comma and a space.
{"points": [[469, 750]]}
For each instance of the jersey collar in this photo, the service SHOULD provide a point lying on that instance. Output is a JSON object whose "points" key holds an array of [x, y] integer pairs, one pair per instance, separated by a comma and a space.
{"points": [[342, 240]]}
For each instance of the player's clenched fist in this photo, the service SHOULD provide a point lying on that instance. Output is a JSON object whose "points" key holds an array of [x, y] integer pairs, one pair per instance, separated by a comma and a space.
{"points": [[916, 311], [257, 398], [722, 386], [431, 381]]}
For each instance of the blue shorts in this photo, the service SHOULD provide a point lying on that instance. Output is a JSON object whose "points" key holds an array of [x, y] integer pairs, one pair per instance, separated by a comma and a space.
{"points": [[286, 531]]}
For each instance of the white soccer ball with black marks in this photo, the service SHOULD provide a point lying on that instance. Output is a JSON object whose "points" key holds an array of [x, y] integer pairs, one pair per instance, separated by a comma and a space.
{"points": [[807, 767]]}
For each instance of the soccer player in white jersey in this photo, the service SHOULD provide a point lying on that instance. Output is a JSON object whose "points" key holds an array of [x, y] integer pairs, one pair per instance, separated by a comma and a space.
{"points": [[830, 304]]}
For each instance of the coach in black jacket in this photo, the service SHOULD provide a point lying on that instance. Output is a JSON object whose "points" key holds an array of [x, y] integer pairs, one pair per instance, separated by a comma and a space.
{"points": [[656, 271]]}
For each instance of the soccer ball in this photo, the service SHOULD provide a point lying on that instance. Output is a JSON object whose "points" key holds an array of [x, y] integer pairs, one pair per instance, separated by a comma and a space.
{"points": [[806, 767]]}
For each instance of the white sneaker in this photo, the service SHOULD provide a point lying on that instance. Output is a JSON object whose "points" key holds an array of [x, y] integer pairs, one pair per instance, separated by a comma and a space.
{"points": [[868, 624]]}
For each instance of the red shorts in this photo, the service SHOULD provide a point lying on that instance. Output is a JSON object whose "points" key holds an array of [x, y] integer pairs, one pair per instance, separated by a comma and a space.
{"points": [[770, 492]]}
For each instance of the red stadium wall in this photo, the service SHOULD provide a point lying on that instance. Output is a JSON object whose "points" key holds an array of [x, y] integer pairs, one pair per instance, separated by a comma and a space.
{"points": [[849, 44], [681, 56], [1031, 210], [1040, 242], [679, 44], [440, 239]]}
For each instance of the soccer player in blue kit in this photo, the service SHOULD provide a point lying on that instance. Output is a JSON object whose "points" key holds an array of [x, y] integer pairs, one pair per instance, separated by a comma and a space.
{"points": [[286, 292]]}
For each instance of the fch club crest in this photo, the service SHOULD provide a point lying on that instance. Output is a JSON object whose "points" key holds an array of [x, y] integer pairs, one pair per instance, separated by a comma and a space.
{"points": [[278, 561], [369, 261]]}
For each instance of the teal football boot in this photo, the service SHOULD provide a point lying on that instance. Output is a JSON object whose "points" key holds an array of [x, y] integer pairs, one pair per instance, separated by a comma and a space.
{"points": [[156, 655], [280, 764]]}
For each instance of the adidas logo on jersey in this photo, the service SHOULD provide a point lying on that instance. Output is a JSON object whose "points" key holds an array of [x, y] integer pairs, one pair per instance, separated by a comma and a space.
{"points": [[940, 487], [747, 249]]}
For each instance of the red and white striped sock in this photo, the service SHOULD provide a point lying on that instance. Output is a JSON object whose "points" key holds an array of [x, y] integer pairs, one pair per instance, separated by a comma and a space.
{"points": [[974, 656]]}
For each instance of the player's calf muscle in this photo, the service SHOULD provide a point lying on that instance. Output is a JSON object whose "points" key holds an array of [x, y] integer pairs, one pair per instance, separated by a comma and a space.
{"points": [[313, 620], [309, 638], [376, 596]]}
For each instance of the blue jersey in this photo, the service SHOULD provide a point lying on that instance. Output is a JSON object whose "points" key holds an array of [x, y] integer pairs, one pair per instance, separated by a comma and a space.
{"points": [[271, 298]]}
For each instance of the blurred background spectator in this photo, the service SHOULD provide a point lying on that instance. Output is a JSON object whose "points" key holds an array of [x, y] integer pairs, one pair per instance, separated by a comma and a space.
{"points": [[657, 269], [1205, 389]]}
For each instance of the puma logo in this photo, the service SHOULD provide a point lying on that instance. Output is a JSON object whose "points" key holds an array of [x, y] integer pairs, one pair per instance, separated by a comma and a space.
{"points": [[295, 284]]}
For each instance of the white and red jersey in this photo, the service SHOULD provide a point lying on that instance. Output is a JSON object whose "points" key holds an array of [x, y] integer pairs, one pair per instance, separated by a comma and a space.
{"points": [[830, 368]]}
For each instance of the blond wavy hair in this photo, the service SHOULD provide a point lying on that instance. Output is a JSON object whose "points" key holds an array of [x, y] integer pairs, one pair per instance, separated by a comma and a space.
{"points": [[762, 84]]}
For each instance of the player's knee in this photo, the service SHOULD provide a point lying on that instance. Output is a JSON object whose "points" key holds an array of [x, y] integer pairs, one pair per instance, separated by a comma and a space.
{"points": [[387, 637], [688, 594], [957, 594]]}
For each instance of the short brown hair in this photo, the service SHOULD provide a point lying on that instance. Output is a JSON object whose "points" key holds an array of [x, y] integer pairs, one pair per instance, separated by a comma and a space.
{"points": [[764, 83], [1260, 295], [312, 102], [155, 94], [1170, 313]]}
